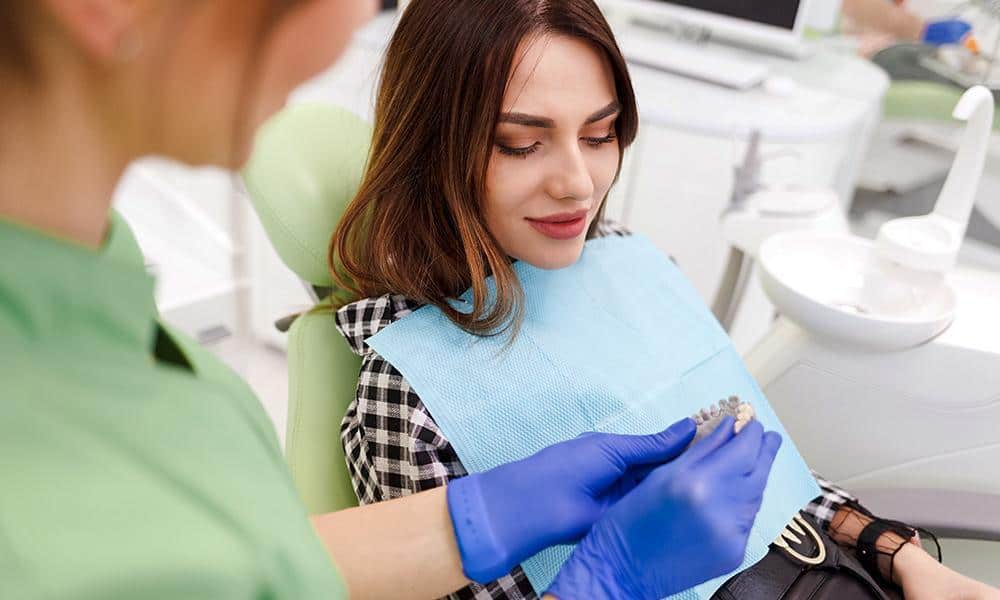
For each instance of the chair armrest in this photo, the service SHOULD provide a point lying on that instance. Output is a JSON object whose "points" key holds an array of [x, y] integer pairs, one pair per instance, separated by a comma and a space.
{"points": [[946, 513]]}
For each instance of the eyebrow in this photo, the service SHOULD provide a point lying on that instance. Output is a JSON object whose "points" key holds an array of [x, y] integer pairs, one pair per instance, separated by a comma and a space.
{"points": [[546, 123]]}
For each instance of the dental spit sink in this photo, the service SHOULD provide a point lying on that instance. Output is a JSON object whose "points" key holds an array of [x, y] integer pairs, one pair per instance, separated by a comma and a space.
{"points": [[818, 281]]}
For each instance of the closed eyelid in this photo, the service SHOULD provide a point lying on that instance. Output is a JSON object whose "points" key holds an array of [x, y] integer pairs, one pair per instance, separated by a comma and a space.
{"points": [[602, 132], [517, 141], [601, 126]]}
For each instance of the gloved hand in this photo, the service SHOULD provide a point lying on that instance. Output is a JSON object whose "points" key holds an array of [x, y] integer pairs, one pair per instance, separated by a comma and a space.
{"points": [[686, 523], [503, 516], [946, 31]]}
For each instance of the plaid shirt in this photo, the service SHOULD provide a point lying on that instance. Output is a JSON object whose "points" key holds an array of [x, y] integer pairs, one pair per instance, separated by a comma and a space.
{"points": [[394, 448]]}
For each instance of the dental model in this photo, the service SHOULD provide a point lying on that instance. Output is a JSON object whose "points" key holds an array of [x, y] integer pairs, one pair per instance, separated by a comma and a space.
{"points": [[790, 539], [708, 419]]}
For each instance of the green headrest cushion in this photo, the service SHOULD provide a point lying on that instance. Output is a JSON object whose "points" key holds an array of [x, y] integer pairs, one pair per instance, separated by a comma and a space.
{"points": [[306, 167], [924, 100]]}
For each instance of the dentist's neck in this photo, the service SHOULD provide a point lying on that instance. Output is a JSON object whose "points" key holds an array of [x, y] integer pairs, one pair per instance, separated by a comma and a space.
{"points": [[59, 163]]}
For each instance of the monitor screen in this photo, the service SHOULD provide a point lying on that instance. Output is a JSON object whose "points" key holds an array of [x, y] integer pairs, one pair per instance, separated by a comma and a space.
{"points": [[778, 13]]}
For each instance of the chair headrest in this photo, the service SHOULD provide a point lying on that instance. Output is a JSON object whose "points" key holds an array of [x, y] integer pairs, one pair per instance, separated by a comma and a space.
{"points": [[306, 167]]}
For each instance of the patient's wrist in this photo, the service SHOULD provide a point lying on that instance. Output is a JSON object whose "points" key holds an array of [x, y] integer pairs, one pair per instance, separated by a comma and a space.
{"points": [[846, 527]]}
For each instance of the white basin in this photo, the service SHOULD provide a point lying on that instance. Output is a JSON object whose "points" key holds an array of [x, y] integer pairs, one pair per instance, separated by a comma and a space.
{"points": [[817, 281]]}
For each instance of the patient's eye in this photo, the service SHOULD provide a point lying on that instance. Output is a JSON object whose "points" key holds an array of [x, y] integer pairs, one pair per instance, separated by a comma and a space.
{"points": [[518, 152], [600, 141]]}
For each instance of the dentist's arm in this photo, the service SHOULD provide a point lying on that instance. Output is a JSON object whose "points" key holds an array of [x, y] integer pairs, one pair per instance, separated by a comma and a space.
{"points": [[482, 526], [403, 548]]}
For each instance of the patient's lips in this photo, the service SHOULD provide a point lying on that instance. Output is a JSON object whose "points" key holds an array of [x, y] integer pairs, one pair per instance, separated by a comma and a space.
{"points": [[562, 226]]}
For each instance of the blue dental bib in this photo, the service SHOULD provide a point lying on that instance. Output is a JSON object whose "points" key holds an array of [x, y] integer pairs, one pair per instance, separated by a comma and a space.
{"points": [[620, 342]]}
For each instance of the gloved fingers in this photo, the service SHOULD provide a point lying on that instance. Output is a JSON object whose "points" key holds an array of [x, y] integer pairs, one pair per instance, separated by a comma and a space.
{"points": [[946, 31], [768, 452], [655, 449], [712, 442], [626, 483], [741, 455], [638, 473]]}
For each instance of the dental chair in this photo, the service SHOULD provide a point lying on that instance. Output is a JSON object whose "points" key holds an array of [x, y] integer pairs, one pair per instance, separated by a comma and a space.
{"points": [[306, 167]]}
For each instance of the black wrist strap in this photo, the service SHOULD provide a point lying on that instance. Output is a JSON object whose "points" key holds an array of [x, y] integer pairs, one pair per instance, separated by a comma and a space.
{"points": [[857, 507], [868, 542]]}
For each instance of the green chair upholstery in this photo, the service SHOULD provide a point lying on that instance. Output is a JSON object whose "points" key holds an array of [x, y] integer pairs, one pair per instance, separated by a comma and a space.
{"points": [[924, 101], [917, 93], [306, 167]]}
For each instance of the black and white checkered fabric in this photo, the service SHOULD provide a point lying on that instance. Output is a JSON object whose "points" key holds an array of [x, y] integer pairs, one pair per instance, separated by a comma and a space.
{"points": [[394, 448]]}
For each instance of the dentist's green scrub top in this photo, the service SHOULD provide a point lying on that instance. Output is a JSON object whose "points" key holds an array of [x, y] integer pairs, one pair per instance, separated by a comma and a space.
{"points": [[123, 476]]}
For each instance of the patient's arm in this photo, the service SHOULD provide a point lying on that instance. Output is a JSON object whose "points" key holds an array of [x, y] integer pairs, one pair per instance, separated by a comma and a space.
{"points": [[920, 575], [843, 523]]}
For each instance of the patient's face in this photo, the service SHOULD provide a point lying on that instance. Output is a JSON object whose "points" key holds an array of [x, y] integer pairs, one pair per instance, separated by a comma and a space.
{"points": [[556, 153]]}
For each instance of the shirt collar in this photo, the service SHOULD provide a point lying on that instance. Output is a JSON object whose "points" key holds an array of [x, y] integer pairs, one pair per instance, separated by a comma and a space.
{"points": [[361, 320], [56, 291]]}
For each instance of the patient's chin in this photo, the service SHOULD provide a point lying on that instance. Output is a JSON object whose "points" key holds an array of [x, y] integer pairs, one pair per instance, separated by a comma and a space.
{"points": [[561, 256]]}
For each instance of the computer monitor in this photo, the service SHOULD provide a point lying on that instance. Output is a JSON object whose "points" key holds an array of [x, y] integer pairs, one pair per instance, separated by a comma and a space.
{"points": [[772, 25]]}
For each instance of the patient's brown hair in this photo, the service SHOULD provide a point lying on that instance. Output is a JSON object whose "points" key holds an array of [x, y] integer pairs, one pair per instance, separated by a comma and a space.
{"points": [[416, 226]]}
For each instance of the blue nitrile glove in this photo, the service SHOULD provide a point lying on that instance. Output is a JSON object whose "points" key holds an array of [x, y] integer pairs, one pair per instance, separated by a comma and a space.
{"points": [[508, 514], [946, 31], [687, 522]]}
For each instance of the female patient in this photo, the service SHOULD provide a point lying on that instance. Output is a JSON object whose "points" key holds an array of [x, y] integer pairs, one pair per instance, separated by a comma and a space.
{"points": [[500, 127]]}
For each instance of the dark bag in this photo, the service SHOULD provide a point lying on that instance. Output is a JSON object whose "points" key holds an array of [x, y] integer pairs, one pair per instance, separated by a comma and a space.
{"points": [[812, 568]]}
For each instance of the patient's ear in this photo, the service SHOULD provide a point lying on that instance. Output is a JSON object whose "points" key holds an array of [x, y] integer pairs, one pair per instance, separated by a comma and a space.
{"points": [[100, 29]]}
